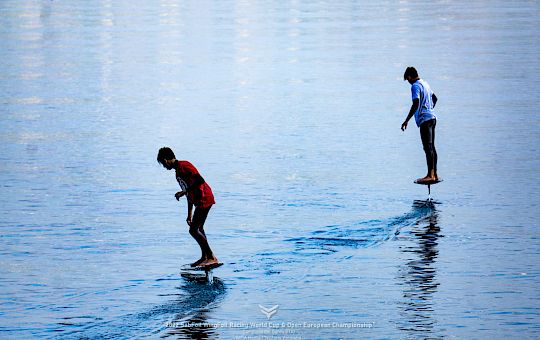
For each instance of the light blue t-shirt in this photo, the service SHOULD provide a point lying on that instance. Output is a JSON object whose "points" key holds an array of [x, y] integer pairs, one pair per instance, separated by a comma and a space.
{"points": [[421, 90]]}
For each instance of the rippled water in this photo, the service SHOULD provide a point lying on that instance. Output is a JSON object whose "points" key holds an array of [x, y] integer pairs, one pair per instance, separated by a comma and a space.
{"points": [[291, 111]]}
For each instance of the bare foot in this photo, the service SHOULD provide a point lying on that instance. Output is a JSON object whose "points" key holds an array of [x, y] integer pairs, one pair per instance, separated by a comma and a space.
{"points": [[209, 262], [198, 262], [427, 179]]}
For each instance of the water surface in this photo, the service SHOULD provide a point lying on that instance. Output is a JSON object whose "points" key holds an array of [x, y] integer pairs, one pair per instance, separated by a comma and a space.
{"points": [[291, 111]]}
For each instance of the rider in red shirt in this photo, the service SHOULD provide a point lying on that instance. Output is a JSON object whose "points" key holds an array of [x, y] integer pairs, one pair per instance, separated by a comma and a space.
{"points": [[199, 194]]}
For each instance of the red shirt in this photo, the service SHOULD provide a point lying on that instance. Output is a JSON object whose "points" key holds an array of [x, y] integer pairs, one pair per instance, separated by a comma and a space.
{"points": [[200, 196]]}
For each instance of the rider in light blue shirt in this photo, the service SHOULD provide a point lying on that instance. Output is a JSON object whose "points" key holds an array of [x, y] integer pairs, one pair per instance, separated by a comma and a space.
{"points": [[422, 108], [420, 90]]}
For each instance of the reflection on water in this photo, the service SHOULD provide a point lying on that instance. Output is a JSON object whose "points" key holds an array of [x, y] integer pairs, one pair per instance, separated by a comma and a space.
{"points": [[193, 299], [418, 275], [192, 310]]}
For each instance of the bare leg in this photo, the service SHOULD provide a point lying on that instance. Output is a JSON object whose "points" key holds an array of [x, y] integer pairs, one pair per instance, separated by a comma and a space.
{"points": [[203, 255], [197, 232]]}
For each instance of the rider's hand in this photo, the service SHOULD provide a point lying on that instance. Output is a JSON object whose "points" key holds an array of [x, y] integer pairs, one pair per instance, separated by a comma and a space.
{"points": [[404, 126], [179, 194]]}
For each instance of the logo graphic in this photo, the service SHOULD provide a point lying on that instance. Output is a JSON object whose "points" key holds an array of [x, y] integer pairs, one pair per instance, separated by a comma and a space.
{"points": [[269, 312]]}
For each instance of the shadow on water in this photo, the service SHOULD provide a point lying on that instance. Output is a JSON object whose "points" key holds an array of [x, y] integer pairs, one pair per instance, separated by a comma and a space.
{"points": [[418, 274], [362, 234]]}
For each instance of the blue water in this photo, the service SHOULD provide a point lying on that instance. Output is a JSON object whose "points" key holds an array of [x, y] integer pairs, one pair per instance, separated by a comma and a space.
{"points": [[291, 111]]}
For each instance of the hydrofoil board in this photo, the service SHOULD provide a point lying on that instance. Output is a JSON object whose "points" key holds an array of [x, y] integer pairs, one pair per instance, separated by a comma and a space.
{"points": [[428, 183], [188, 267]]}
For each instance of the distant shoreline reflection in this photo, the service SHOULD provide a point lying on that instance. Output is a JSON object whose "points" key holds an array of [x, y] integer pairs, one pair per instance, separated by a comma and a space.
{"points": [[418, 274]]}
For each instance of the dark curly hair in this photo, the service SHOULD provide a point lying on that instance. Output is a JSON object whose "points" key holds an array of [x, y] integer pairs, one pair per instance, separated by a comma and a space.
{"points": [[163, 154], [411, 72]]}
